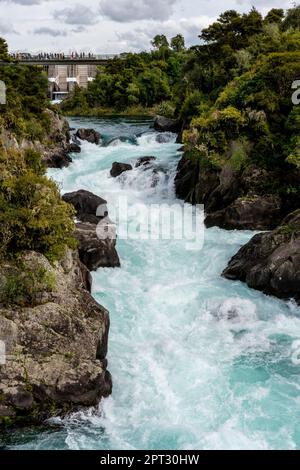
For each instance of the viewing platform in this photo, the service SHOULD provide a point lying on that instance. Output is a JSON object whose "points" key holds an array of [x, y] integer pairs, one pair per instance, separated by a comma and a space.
{"points": [[62, 59]]}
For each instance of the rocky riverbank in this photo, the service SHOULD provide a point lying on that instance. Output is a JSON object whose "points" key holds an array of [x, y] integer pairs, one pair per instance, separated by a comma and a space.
{"points": [[56, 342], [55, 149]]}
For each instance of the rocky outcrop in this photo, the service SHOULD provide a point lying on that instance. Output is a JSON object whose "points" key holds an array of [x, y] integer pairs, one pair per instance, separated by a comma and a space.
{"points": [[118, 168], [95, 250], [56, 155], [56, 158], [95, 232], [249, 213], [90, 135], [270, 262], [143, 161], [246, 199], [74, 148], [193, 183], [54, 149], [89, 207], [56, 348], [164, 124]]}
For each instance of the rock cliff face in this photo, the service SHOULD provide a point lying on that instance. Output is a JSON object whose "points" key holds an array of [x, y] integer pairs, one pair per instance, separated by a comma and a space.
{"points": [[55, 348], [270, 262], [247, 199], [55, 151]]}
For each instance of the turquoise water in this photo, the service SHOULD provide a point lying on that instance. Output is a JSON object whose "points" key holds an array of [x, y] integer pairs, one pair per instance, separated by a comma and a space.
{"points": [[185, 376]]}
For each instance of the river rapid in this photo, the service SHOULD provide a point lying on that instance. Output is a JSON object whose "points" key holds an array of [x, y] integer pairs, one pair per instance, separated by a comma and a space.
{"points": [[187, 374]]}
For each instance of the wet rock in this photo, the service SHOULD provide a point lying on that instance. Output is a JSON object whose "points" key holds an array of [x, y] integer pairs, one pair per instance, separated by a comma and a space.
{"points": [[225, 192], [164, 124], [95, 233], [89, 207], [118, 168], [56, 158], [249, 213], [144, 161], [164, 138], [270, 262], [90, 135], [74, 148], [193, 184], [95, 252]]}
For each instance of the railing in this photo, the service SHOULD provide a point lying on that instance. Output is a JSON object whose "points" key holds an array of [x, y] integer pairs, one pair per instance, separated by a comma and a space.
{"points": [[61, 57]]}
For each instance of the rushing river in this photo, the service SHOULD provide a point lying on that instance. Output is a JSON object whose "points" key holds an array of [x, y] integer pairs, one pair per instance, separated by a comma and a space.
{"points": [[185, 376]]}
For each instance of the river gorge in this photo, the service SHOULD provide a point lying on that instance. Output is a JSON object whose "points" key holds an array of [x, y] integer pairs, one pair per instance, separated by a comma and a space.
{"points": [[198, 361]]}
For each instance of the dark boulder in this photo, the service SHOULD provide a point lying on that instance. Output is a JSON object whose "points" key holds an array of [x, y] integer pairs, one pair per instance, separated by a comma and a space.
{"points": [[89, 207], [95, 252], [90, 135], [74, 148], [118, 168], [164, 124], [193, 184], [248, 213], [144, 161], [56, 158], [270, 262]]}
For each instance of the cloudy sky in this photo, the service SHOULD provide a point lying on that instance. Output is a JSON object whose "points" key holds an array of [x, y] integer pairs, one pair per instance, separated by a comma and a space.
{"points": [[110, 26]]}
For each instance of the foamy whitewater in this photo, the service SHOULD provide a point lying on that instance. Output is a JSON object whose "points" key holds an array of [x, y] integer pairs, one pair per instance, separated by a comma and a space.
{"points": [[187, 373]]}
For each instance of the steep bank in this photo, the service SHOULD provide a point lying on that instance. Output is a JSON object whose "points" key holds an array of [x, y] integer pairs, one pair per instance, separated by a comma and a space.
{"points": [[254, 198], [56, 341], [54, 148]]}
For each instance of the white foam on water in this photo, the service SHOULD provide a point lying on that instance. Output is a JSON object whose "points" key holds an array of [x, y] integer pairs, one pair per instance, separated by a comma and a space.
{"points": [[198, 362]]}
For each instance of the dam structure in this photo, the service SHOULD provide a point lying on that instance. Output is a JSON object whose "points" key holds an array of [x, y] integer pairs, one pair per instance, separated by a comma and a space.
{"points": [[64, 72]]}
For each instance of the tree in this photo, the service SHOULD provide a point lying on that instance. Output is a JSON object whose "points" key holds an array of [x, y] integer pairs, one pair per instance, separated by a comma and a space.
{"points": [[178, 43], [3, 50], [275, 15], [159, 41], [292, 19], [233, 29]]}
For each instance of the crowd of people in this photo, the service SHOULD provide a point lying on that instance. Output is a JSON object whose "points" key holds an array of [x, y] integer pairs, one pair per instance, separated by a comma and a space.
{"points": [[53, 56]]}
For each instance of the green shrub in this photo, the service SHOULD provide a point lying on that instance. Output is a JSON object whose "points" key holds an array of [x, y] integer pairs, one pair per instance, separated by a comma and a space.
{"points": [[32, 214], [25, 286]]}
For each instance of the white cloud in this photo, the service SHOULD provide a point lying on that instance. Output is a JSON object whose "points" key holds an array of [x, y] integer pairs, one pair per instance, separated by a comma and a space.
{"points": [[77, 15], [50, 31], [140, 38], [7, 28], [133, 10]]}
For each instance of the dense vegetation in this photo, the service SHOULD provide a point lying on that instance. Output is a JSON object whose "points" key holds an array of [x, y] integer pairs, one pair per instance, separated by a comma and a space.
{"points": [[26, 99], [234, 87], [32, 214]]}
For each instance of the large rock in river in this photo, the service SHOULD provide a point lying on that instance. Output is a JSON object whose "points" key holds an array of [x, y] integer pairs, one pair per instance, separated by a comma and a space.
{"points": [[118, 168], [89, 207], [90, 135], [95, 232], [56, 348], [94, 251], [164, 124], [270, 262]]}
